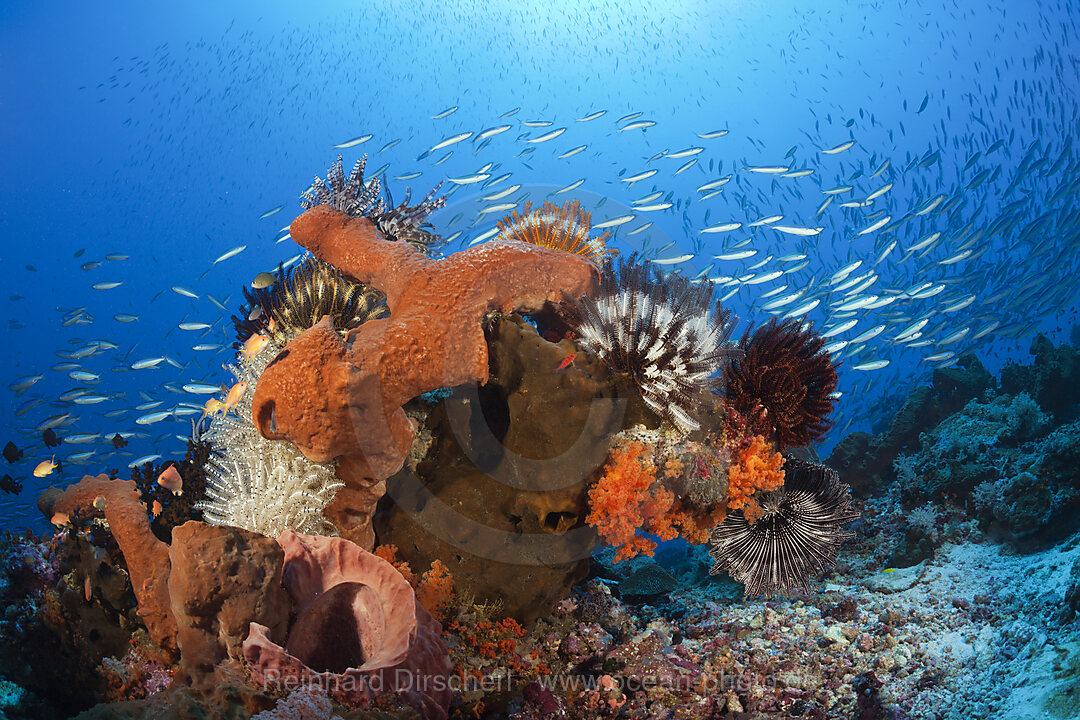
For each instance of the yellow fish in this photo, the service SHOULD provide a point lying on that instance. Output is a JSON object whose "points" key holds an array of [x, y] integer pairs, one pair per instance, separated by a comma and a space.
{"points": [[212, 407], [254, 345], [236, 394]]}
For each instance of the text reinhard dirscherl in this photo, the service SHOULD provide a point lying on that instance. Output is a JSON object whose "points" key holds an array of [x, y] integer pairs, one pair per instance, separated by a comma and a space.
{"points": [[502, 679]]}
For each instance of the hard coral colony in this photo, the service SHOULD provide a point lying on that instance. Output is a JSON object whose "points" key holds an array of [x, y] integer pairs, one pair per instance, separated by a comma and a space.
{"points": [[335, 397]]}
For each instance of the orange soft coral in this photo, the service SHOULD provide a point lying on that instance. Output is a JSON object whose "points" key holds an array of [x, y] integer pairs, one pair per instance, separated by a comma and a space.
{"points": [[435, 591], [633, 495], [757, 467], [626, 499], [695, 525], [389, 553]]}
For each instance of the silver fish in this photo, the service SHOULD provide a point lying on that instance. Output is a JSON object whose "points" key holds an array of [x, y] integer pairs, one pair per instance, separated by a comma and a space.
{"points": [[354, 142], [230, 253], [152, 418]]}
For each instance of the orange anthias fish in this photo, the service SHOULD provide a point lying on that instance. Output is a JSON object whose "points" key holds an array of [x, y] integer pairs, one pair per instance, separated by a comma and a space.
{"points": [[254, 345], [566, 362], [45, 467], [236, 394], [170, 480], [155, 509], [212, 407]]}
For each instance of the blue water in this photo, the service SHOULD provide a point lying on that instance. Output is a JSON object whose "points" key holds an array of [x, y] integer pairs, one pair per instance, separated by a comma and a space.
{"points": [[165, 132]]}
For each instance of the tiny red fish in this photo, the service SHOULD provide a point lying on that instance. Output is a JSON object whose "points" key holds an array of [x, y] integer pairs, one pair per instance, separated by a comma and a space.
{"points": [[566, 362]]}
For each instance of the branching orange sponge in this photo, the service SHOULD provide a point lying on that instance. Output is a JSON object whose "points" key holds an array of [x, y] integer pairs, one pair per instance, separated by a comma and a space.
{"points": [[757, 467]]}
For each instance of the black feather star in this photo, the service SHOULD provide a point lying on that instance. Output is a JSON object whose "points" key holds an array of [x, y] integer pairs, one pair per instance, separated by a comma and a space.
{"points": [[797, 535], [664, 332]]}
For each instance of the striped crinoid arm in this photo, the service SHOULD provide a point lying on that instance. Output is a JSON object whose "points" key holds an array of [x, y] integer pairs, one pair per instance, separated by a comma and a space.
{"points": [[665, 333], [313, 289], [565, 228], [302, 295], [797, 534], [408, 223], [353, 196], [418, 214]]}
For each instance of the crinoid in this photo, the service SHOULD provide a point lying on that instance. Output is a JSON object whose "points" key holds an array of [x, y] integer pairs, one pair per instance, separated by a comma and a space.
{"points": [[561, 228], [664, 332], [302, 295], [265, 486], [353, 196], [357, 197], [408, 223], [797, 533], [783, 382]]}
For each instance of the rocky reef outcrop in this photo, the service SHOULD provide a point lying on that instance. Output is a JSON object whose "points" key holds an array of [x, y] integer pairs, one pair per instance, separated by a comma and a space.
{"points": [[499, 497]]}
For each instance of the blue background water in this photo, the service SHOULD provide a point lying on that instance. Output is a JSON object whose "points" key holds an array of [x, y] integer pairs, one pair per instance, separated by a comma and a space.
{"points": [[165, 132]]}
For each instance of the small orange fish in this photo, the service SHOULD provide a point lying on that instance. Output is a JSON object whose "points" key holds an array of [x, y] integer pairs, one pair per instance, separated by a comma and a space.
{"points": [[155, 509], [45, 467], [271, 326], [236, 394], [86, 590], [170, 480], [59, 519], [212, 407], [254, 345], [566, 362]]}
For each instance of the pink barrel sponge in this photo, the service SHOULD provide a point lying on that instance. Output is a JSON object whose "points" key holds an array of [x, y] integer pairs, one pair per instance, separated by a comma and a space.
{"points": [[358, 633]]}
